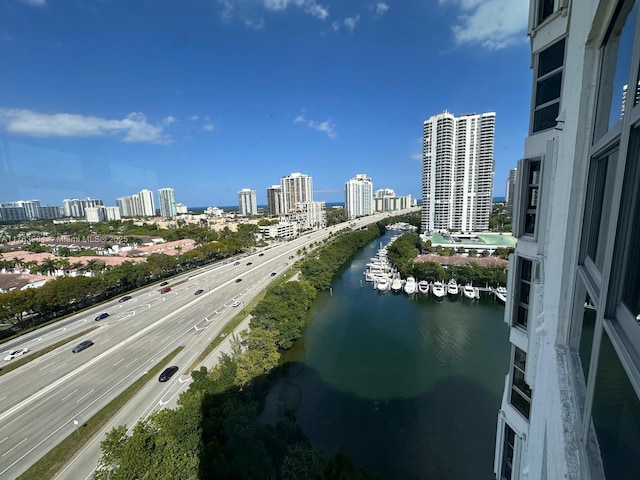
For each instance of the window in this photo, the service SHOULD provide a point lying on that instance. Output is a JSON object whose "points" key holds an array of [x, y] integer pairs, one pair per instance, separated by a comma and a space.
{"points": [[613, 95], [548, 87], [526, 214], [545, 9], [508, 450], [524, 269], [520, 391]]}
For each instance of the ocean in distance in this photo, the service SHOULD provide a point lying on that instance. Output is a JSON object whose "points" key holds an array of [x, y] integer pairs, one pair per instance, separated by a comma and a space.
{"points": [[408, 386]]}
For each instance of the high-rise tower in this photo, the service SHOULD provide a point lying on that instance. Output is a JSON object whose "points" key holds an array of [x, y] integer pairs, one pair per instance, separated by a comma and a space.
{"points": [[167, 199], [296, 188], [457, 172], [147, 205], [247, 202], [358, 196]]}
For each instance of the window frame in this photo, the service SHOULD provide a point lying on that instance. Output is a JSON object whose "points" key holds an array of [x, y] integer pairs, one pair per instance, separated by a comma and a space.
{"points": [[524, 190], [537, 84], [514, 388]]}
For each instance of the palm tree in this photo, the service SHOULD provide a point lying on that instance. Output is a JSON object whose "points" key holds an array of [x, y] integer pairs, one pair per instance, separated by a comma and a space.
{"points": [[48, 266]]}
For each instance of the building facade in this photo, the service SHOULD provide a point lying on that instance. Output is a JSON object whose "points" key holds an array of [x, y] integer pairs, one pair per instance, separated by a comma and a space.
{"points": [[275, 201], [457, 172], [296, 188], [571, 402], [510, 190], [247, 202], [358, 196], [167, 198], [386, 200], [147, 205], [308, 215]]}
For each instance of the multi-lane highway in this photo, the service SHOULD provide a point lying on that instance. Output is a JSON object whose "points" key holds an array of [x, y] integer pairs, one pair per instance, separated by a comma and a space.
{"points": [[46, 399]]}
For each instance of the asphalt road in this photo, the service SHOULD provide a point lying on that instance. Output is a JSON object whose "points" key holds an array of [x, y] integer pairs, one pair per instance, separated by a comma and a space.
{"points": [[46, 399]]}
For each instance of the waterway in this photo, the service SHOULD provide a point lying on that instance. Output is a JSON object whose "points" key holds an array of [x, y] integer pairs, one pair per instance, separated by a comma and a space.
{"points": [[408, 386]]}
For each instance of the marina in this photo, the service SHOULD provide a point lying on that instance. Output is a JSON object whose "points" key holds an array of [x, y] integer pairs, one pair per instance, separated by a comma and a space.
{"points": [[384, 276]]}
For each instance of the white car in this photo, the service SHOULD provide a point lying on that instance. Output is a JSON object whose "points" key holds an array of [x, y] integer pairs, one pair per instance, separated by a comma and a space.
{"points": [[16, 353], [235, 304]]}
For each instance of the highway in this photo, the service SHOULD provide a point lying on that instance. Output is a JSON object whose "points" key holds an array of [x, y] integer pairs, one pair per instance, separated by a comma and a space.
{"points": [[46, 399]]}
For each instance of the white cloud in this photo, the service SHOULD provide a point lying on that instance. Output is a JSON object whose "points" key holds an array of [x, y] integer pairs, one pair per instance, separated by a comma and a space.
{"points": [[381, 8], [298, 119], [35, 3], [208, 127], [327, 127], [350, 22], [193, 118], [245, 10], [494, 24], [134, 127], [169, 120]]}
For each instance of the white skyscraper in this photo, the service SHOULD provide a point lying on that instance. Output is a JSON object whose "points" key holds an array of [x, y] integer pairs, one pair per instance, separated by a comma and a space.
{"points": [[358, 196], [167, 199], [147, 206], [510, 190], [457, 172], [296, 188], [247, 202]]}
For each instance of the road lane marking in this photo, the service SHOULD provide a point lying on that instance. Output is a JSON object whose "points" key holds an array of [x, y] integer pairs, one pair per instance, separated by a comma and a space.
{"points": [[3, 439], [58, 367], [119, 361], [85, 396], [69, 395], [13, 448], [131, 363]]}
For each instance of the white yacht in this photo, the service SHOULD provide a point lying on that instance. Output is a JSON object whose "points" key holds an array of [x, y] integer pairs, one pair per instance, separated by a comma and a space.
{"points": [[396, 284], [469, 291], [423, 287], [501, 294], [410, 286], [452, 287], [438, 289], [383, 284]]}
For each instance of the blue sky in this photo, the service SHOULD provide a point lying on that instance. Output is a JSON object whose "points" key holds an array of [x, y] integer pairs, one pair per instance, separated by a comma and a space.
{"points": [[103, 98]]}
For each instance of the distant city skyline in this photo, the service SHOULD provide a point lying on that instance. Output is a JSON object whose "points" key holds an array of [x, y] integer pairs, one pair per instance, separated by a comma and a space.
{"points": [[227, 95]]}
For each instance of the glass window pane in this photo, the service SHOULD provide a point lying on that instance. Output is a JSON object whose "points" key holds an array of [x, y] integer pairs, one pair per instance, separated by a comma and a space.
{"points": [[525, 267], [616, 416], [519, 358], [545, 8], [520, 403], [521, 318], [549, 88], [586, 337], [612, 97], [630, 219], [551, 58], [545, 118], [524, 292]]}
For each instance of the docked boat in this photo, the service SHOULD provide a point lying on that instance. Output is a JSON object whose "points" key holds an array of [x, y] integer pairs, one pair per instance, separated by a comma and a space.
{"points": [[396, 284], [410, 286], [423, 287], [452, 287], [501, 294], [438, 289], [470, 292], [383, 284]]}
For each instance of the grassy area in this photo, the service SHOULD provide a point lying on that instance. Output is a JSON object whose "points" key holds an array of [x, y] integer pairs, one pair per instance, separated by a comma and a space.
{"points": [[53, 461], [8, 367]]}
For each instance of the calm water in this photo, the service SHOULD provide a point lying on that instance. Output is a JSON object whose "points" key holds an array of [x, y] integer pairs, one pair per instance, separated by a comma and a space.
{"points": [[409, 387]]}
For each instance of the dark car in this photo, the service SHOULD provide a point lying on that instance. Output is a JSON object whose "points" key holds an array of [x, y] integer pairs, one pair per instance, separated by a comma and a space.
{"points": [[261, 255], [238, 280], [198, 292], [102, 316], [81, 346], [249, 263], [125, 298], [237, 263], [273, 274], [164, 283], [168, 373], [165, 290], [291, 256]]}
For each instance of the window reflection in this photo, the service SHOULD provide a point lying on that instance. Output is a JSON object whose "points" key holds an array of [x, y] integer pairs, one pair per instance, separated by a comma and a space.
{"points": [[616, 416], [614, 93]]}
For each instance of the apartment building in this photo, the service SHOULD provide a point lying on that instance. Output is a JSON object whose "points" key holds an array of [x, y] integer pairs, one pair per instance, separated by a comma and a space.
{"points": [[275, 201], [296, 187], [247, 202], [571, 402], [167, 197], [457, 172], [358, 196]]}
